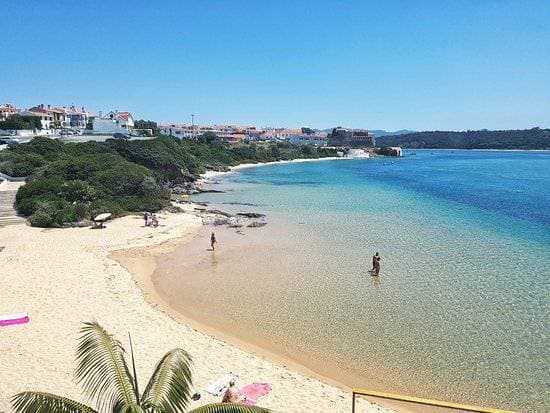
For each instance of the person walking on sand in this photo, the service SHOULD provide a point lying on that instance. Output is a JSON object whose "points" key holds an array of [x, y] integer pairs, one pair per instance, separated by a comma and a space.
{"points": [[212, 240]]}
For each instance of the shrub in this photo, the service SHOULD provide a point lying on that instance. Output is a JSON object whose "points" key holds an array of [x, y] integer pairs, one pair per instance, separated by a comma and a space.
{"points": [[41, 218]]}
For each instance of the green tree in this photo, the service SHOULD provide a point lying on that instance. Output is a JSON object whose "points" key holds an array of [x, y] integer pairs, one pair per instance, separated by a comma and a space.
{"points": [[147, 124], [19, 122], [106, 378]]}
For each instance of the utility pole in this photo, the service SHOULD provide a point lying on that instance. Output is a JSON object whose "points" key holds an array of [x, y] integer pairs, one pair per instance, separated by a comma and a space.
{"points": [[193, 125]]}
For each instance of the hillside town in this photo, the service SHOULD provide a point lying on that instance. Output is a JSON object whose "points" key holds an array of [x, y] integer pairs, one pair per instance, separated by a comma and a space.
{"points": [[78, 123]]}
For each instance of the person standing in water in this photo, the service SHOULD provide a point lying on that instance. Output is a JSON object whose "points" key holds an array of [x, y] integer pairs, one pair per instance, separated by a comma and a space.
{"points": [[374, 260], [376, 264], [212, 240]]}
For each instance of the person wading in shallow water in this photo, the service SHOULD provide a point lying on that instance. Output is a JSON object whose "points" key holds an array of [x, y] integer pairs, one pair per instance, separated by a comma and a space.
{"points": [[376, 264], [374, 260], [212, 240]]}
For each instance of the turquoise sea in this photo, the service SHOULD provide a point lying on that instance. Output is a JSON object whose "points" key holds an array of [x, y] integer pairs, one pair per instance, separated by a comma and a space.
{"points": [[461, 309]]}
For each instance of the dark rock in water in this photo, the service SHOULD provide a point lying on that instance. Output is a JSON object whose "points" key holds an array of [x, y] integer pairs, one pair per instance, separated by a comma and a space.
{"points": [[173, 209], [218, 212], [251, 214], [240, 203], [256, 224], [202, 203], [209, 191]]}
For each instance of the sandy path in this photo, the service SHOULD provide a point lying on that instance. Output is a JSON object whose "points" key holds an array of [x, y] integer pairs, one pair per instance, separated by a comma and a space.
{"points": [[63, 277]]}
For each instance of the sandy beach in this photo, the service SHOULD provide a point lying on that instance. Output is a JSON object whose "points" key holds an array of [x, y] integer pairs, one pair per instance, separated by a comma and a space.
{"points": [[212, 174], [63, 277]]}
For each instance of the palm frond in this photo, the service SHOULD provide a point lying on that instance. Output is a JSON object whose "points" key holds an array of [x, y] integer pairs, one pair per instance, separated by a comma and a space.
{"points": [[37, 402], [128, 408], [168, 390], [102, 369], [229, 408]]}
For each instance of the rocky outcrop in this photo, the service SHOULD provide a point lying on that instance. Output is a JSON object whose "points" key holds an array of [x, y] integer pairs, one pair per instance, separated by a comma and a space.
{"points": [[256, 224], [251, 214]]}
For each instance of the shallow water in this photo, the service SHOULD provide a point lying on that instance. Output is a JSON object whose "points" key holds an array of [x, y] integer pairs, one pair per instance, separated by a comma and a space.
{"points": [[461, 308]]}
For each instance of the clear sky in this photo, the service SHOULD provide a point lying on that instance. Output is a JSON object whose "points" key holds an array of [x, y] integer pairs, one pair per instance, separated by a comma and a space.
{"points": [[390, 65]]}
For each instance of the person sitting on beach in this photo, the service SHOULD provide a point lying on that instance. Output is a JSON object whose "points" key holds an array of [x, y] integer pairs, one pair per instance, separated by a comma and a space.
{"points": [[212, 240], [232, 394], [154, 221]]}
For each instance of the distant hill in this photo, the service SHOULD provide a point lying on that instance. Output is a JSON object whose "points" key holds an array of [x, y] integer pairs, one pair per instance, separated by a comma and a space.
{"points": [[380, 132], [535, 138]]}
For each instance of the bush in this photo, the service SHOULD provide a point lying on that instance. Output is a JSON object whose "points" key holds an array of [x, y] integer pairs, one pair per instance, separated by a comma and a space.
{"points": [[41, 218], [74, 181]]}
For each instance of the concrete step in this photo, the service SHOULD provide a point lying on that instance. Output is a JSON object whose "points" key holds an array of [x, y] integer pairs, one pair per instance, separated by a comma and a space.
{"points": [[5, 221]]}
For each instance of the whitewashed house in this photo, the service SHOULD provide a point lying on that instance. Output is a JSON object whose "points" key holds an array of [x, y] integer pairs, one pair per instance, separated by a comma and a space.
{"points": [[114, 122], [46, 118], [180, 131]]}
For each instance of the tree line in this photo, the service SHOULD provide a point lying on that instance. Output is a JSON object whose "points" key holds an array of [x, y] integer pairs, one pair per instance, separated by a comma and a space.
{"points": [[70, 182], [534, 138]]}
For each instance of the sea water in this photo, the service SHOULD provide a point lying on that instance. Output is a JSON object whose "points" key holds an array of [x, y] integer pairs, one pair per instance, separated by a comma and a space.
{"points": [[460, 310]]}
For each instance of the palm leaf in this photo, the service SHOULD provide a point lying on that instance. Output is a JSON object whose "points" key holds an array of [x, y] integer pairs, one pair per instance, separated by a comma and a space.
{"points": [[168, 389], [36, 402], [229, 408], [128, 408], [102, 369]]}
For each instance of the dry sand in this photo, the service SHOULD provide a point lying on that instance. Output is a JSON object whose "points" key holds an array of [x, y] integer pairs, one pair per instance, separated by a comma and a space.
{"points": [[63, 277]]}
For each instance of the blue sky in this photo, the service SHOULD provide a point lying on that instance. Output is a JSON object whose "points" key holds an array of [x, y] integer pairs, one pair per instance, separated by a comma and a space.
{"points": [[419, 65]]}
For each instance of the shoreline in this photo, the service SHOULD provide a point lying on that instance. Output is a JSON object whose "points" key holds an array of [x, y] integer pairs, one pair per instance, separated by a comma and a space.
{"points": [[64, 277], [212, 174], [142, 263]]}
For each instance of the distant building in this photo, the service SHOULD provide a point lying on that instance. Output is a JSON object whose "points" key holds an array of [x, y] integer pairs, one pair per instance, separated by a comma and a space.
{"points": [[7, 110], [357, 153], [56, 118], [351, 137], [307, 139], [180, 131], [77, 118], [46, 117], [398, 151], [114, 122], [285, 134]]}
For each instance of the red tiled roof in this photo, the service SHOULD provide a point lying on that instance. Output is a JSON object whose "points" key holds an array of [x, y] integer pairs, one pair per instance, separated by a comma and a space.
{"points": [[123, 115]]}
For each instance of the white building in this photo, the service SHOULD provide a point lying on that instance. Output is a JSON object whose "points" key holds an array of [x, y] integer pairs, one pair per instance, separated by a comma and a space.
{"points": [[357, 153], [46, 118], [77, 118], [7, 110], [307, 139], [286, 134], [180, 131], [114, 122], [398, 150]]}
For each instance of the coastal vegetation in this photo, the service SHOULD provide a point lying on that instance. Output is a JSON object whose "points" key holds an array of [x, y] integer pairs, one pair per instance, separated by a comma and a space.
{"points": [[107, 380], [534, 138], [19, 122], [147, 124], [71, 182]]}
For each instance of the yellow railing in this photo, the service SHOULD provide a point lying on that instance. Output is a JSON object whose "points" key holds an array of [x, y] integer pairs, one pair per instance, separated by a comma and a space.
{"points": [[418, 400]]}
